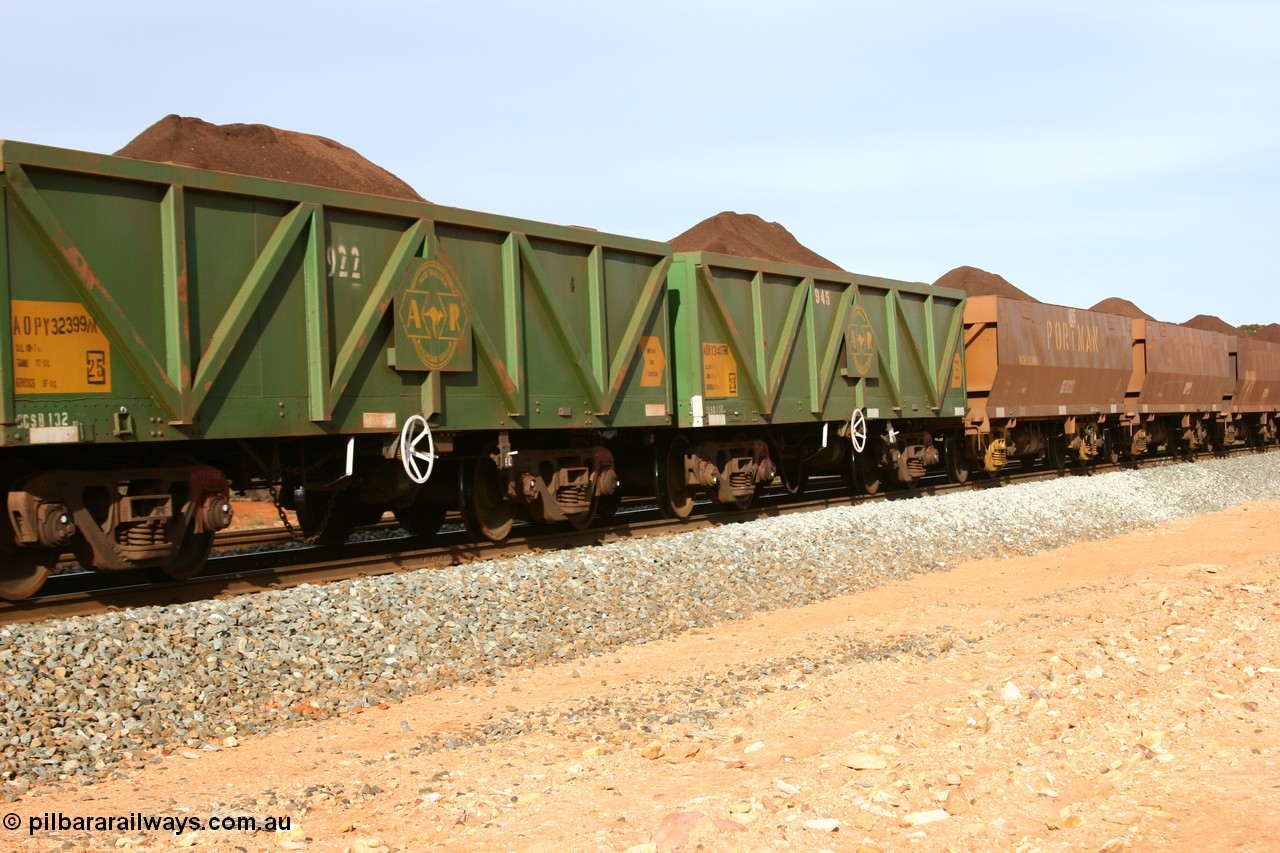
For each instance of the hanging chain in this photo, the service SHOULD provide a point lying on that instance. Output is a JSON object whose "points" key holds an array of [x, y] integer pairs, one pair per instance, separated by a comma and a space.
{"points": [[293, 532]]}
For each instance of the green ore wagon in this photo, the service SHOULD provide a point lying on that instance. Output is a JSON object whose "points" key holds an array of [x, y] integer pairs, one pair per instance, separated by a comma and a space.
{"points": [[172, 334], [791, 370]]}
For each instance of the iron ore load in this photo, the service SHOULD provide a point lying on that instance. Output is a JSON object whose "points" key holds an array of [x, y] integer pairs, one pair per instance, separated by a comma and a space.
{"points": [[175, 334]]}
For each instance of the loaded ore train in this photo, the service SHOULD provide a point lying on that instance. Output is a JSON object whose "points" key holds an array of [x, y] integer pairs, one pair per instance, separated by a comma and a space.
{"points": [[173, 335]]}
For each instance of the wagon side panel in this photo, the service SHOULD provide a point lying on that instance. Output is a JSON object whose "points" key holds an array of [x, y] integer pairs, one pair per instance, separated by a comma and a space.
{"points": [[1186, 370], [911, 364], [204, 305], [1258, 376]]}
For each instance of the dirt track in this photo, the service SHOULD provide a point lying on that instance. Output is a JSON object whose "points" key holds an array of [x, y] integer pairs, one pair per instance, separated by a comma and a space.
{"points": [[1111, 695]]}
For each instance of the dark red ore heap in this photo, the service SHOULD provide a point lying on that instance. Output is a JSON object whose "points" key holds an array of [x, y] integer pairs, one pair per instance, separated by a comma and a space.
{"points": [[1123, 307], [264, 152], [746, 235], [976, 282]]}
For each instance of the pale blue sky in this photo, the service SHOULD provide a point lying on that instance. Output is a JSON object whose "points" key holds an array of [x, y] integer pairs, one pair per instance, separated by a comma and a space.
{"points": [[1080, 149]]}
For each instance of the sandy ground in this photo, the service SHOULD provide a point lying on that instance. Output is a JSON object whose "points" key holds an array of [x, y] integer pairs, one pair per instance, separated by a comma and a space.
{"points": [[253, 514], [1115, 695]]}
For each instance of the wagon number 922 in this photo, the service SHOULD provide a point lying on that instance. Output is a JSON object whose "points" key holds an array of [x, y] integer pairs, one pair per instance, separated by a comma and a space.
{"points": [[344, 261]]}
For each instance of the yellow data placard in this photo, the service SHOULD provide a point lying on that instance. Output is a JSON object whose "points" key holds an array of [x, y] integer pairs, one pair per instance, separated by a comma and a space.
{"points": [[58, 349], [719, 371]]}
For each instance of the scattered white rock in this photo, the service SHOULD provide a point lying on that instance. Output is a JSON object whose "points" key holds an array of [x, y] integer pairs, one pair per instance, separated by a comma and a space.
{"points": [[924, 818]]}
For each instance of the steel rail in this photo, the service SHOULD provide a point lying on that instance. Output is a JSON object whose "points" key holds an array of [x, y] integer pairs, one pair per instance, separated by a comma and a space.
{"points": [[228, 574]]}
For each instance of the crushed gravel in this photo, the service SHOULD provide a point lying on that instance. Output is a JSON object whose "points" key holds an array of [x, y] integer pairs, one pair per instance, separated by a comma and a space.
{"points": [[93, 696]]}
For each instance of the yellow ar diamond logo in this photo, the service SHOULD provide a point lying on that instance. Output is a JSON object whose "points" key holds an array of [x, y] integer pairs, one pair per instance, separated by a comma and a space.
{"points": [[432, 318], [862, 340]]}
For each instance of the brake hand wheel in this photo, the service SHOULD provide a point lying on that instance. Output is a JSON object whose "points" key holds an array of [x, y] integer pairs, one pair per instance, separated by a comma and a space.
{"points": [[416, 430], [858, 430]]}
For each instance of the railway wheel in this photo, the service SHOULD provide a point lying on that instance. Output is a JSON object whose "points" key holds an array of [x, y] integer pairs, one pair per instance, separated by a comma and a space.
{"points": [[1110, 448], [607, 506], [959, 464], [795, 481], [421, 518], [192, 556], [1055, 453], [867, 476], [484, 512], [326, 518], [22, 570], [1257, 441], [194, 549], [1251, 438], [675, 496], [1220, 446]]}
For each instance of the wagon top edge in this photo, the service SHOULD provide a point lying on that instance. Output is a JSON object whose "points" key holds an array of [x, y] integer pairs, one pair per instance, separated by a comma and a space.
{"points": [[1151, 330], [993, 308], [818, 274], [26, 154]]}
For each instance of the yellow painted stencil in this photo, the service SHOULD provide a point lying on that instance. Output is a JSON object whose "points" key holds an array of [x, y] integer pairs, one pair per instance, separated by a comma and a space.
{"points": [[655, 362], [719, 371], [58, 349]]}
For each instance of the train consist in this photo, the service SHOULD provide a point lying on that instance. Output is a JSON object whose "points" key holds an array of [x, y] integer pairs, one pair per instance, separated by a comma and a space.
{"points": [[173, 335]]}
